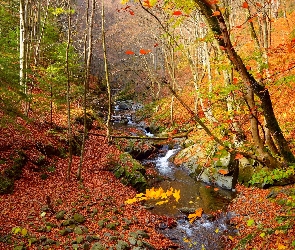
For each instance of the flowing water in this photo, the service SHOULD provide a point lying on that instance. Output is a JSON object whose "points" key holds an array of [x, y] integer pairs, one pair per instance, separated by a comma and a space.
{"points": [[205, 232]]}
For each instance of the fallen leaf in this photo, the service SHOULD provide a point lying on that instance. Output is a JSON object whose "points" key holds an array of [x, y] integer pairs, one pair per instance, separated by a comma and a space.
{"points": [[197, 214]]}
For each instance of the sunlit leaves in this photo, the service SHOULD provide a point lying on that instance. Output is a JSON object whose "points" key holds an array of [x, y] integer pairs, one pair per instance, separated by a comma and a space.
{"points": [[197, 214], [281, 246], [156, 194], [176, 195], [250, 222], [19, 230], [262, 235]]}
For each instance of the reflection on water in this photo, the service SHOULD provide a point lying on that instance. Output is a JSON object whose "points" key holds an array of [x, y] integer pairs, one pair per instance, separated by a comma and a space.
{"points": [[204, 233], [193, 194]]}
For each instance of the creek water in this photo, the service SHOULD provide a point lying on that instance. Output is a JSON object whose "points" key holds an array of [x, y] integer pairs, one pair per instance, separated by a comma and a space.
{"points": [[204, 233]]}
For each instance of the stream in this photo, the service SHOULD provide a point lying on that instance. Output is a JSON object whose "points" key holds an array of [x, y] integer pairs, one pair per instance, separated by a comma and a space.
{"points": [[204, 233]]}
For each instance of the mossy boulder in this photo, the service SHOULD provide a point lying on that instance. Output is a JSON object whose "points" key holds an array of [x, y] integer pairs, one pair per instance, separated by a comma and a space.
{"points": [[60, 215], [79, 218], [122, 245], [132, 174], [12, 173], [6, 185], [98, 246]]}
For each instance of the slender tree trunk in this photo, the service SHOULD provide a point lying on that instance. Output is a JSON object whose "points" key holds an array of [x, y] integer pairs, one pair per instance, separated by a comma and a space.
{"points": [[70, 135], [88, 55], [22, 45], [40, 36], [106, 72]]}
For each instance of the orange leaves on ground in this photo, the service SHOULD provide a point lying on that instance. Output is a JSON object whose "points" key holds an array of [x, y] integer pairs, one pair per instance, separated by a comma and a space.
{"points": [[197, 214], [245, 5], [177, 13], [216, 13], [129, 52]]}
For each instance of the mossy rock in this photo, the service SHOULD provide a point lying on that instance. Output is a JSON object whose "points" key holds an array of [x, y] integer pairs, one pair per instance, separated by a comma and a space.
{"points": [[101, 223], [148, 246], [139, 234], [78, 230], [65, 231], [60, 215], [80, 239], [133, 177], [112, 225], [6, 185], [98, 246], [68, 222], [122, 245], [19, 248], [79, 218]]}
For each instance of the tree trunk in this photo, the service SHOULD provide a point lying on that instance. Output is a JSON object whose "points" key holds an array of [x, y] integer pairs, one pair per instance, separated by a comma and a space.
{"points": [[88, 55], [22, 45], [70, 136], [106, 72]]}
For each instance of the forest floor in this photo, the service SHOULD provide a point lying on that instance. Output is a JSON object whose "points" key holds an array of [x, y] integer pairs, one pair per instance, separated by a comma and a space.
{"points": [[50, 212]]}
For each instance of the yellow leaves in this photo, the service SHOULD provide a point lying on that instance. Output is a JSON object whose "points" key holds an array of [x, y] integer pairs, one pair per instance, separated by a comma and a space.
{"points": [[198, 213], [162, 202], [156, 194], [124, 1], [131, 201], [176, 195], [281, 246]]}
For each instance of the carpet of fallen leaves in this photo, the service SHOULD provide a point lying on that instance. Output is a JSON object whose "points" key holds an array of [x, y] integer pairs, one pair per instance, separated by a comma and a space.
{"points": [[100, 191], [263, 218], [256, 210]]}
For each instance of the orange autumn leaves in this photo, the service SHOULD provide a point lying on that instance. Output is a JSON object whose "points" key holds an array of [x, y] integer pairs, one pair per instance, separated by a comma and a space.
{"points": [[156, 194]]}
